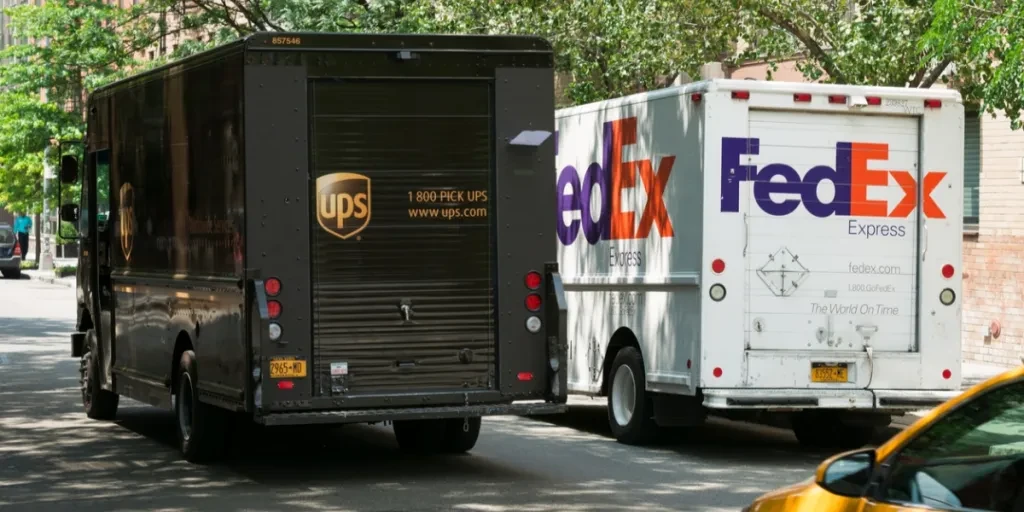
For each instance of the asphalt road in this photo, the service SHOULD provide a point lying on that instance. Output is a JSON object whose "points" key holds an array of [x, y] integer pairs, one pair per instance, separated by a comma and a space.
{"points": [[53, 458]]}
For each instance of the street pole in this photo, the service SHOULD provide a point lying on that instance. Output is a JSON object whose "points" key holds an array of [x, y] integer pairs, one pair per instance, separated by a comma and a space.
{"points": [[46, 260]]}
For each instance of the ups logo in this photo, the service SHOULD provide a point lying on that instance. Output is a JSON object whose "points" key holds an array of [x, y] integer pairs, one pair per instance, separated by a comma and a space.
{"points": [[126, 213], [343, 203]]}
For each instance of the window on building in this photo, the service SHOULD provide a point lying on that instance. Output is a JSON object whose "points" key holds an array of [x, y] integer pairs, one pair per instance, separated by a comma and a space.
{"points": [[972, 168]]}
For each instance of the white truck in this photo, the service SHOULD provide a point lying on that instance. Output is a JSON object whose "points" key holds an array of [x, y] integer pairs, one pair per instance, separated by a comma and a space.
{"points": [[762, 250]]}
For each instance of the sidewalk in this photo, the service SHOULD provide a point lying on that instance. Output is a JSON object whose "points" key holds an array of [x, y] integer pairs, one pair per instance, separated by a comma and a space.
{"points": [[49, 278]]}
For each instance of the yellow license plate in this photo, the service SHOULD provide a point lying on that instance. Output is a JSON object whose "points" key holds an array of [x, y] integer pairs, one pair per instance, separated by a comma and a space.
{"points": [[824, 372], [287, 368]]}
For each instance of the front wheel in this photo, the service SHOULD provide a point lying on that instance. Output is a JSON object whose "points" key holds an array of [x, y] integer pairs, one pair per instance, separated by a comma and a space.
{"points": [[99, 404], [630, 407]]}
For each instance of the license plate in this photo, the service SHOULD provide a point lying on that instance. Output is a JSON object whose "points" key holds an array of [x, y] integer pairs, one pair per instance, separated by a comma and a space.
{"points": [[287, 368], [830, 372]]}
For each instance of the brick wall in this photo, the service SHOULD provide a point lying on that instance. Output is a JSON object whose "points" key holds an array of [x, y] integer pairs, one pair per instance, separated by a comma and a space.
{"points": [[993, 257]]}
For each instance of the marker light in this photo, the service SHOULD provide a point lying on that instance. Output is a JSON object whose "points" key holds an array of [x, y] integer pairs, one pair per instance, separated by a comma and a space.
{"points": [[274, 331], [947, 271], [718, 266], [717, 292], [933, 103], [533, 302], [533, 280], [525, 376], [273, 308], [836, 98], [717, 372], [874, 101], [533, 324], [947, 296], [946, 374], [272, 286], [802, 97], [696, 97], [741, 95]]}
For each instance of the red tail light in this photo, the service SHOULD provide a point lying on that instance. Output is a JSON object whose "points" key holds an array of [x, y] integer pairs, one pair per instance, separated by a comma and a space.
{"points": [[947, 271], [285, 384], [874, 101], [718, 266], [17, 248], [802, 97], [933, 103], [696, 97], [272, 286], [533, 280], [741, 95], [273, 308], [525, 376], [533, 302]]}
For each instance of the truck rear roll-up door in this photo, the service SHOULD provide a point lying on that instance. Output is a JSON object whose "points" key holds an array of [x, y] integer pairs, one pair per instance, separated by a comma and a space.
{"points": [[402, 267], [832, 237]]}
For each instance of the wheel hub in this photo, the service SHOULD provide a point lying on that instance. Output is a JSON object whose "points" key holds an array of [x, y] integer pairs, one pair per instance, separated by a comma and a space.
{"points": [[623, 395]]}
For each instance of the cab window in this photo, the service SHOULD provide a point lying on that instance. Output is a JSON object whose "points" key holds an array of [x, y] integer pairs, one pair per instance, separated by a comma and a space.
{"points": [[972, 459]]}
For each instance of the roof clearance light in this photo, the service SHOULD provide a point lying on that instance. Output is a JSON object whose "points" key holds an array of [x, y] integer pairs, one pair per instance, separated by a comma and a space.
{"points": [[932, 103], [741, 95], [874, 101], [836, 98], [802, 97]]}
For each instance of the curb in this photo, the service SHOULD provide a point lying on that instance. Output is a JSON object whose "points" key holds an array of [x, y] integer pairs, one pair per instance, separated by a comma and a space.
{"points": [[53, 281]]}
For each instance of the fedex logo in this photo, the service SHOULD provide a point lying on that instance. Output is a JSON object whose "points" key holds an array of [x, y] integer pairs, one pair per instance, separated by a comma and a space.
{"points": [[611, 176], [851, 176]]}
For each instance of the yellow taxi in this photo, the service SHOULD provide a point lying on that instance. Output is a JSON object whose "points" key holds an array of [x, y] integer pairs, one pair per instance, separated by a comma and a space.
{"points": [[965, 455]]}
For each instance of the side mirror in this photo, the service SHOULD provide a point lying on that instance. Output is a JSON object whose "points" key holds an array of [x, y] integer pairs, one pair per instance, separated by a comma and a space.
{"points": [[69, 213], [847, 474], [68, 169]]}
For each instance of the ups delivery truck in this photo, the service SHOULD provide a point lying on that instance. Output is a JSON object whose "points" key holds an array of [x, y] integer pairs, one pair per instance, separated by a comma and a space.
{"points": [[305, 228]]}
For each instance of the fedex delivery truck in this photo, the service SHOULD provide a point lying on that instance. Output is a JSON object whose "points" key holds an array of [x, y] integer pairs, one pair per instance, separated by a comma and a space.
{"points": [[763, 250]]}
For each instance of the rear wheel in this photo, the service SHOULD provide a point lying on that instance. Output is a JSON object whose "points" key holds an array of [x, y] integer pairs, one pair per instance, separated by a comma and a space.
{"points": [[99, 403], [201, 427], [12, 274], [460, 434], [825, 430], [630, 407], [420, 437]]}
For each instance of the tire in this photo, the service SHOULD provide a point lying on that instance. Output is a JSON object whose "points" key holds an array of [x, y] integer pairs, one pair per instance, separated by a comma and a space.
{"points": [[99, 404], [824, 430], [420, 437], [12, 274], [201, 427], [630, 425], [460, 434]]}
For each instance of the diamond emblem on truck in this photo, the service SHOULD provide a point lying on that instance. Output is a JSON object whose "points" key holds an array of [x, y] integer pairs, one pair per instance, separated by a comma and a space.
{"points": [[783, 273]]}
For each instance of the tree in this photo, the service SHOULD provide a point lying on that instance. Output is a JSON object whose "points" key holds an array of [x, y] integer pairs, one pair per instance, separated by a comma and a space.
{"points": [[989, 34], [68, 48]]}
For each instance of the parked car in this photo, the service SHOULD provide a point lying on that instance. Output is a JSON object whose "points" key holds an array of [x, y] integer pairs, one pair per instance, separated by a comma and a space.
{"points": [[10, 254], [967, 453]]}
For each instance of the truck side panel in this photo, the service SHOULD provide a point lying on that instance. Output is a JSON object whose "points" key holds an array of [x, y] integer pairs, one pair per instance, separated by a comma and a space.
{"points": [[631, 256], [278, 215]]}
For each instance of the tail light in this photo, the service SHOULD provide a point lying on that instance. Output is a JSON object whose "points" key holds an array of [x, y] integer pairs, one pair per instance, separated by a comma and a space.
{"points": [[274, 309], [17, 248], [533, 301], [718, 266], [696, 97], [947, 271], [272, 286], [533, 280]]}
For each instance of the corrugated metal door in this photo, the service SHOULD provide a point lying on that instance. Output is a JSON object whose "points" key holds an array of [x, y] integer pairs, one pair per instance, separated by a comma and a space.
{"points": [[402, 183]]}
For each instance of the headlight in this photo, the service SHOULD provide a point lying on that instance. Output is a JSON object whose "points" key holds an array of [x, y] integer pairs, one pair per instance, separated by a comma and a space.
{"points": [[947, 296], [533, 324], [717, 292], [274, 331]]}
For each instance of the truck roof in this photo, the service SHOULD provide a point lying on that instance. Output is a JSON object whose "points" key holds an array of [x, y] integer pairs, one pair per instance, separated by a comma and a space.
{"points": [[725, 84], [341, 42]]}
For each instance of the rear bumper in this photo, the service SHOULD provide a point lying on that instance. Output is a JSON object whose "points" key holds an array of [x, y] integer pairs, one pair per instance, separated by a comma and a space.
{"points": [[891, 400], [10, 263], [417, 413]]}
